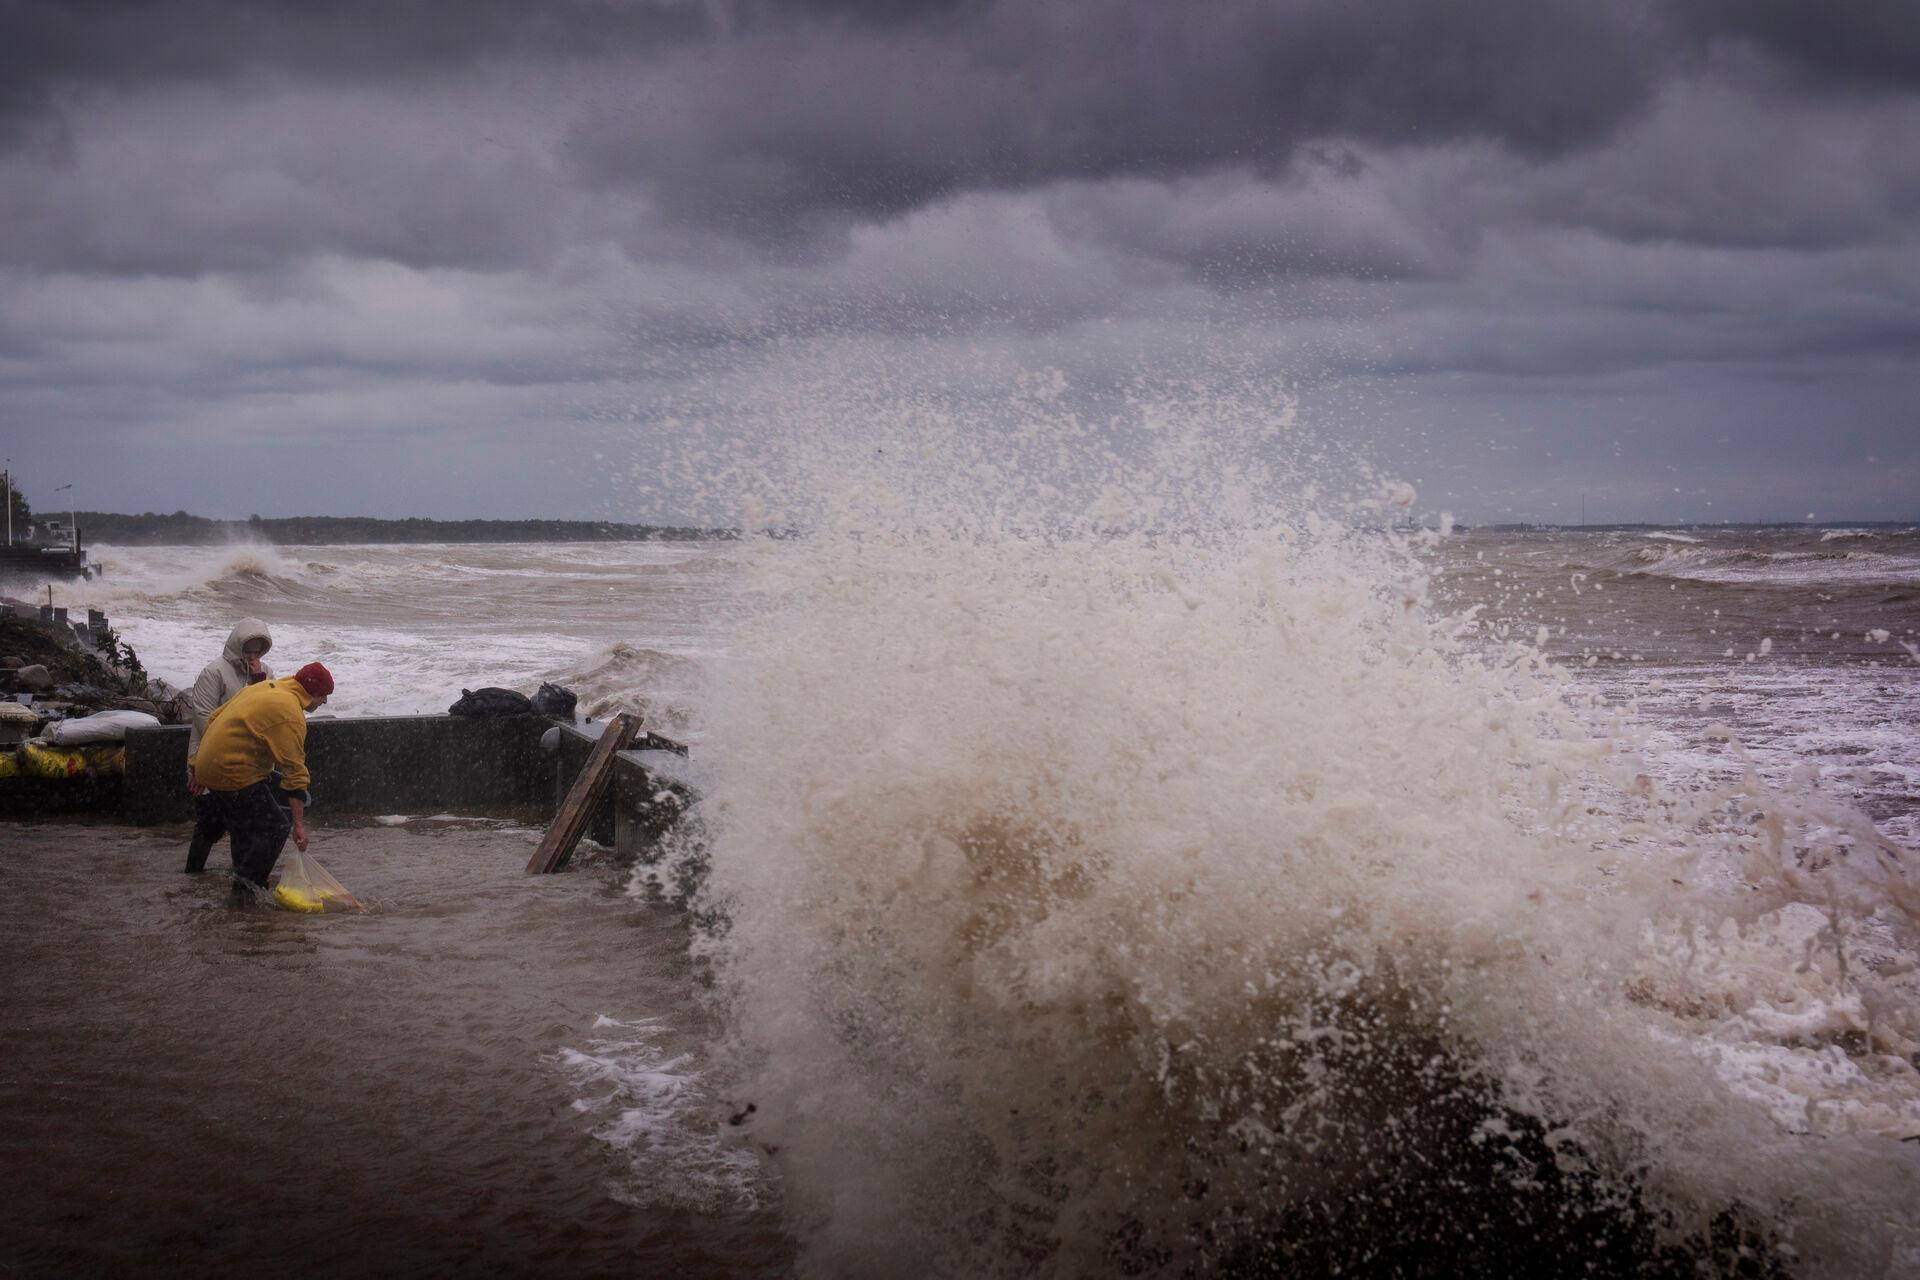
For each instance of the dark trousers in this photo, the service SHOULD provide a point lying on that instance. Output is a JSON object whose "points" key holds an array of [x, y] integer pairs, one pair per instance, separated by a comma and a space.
{"points": [[259, 825], [209, 828]]}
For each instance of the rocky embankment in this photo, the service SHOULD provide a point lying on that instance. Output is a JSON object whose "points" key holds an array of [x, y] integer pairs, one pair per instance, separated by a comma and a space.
{"points": [[66, 676]]}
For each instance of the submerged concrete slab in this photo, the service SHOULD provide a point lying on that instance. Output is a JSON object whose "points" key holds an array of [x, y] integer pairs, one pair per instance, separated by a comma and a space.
{"points": [[650, 793]]}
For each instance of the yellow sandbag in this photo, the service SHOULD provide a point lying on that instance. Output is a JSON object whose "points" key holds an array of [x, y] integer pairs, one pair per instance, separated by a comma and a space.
{"points": [[105, 757], [36, 761], [306, 886]]}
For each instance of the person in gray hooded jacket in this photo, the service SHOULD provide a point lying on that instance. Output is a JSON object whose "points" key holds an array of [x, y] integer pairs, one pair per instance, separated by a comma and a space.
{"points": [[239, 665]]}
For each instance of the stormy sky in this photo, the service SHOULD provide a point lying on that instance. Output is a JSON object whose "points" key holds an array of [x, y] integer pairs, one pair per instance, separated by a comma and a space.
{"points": [[488, 257]]}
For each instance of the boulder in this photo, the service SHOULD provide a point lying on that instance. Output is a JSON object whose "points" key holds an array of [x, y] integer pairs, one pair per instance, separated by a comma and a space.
{"points": [[87, 694], [35, 677]]}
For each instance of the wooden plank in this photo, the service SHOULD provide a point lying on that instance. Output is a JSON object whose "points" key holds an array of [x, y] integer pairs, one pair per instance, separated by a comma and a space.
{"points": [[570, 823]]}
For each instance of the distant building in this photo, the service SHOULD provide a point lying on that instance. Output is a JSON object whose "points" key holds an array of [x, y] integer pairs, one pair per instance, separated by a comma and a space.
{"points": [[52, 532]]}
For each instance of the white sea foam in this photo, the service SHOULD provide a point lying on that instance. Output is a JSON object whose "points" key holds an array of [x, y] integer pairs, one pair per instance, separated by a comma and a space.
{"points": [[652, 1104], [405, 628]]}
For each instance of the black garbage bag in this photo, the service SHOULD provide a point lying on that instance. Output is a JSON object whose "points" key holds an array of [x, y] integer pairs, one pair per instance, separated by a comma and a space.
{"points": [[553, 700], [491, 702]]}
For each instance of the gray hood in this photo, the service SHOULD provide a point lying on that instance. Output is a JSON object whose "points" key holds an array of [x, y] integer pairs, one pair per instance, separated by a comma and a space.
{"points": [[244, 630], [224, 677]]}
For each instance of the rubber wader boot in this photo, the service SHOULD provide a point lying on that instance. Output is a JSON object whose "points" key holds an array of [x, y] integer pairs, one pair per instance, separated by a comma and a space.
{"points": [[197, 850]]}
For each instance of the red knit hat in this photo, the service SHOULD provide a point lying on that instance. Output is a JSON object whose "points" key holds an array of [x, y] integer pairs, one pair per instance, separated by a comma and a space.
{"points": [[315, 679]]}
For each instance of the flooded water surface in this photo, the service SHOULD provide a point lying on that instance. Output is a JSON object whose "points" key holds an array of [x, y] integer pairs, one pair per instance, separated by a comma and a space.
{"points": [[436, 1086]]}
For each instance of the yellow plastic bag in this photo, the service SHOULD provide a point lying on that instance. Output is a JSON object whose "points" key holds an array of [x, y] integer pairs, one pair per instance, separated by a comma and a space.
{"points": [[306, 886]]}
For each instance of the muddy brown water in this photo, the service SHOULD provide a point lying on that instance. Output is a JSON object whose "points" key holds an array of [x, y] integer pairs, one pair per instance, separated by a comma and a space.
{"points": [[190, 1088]]}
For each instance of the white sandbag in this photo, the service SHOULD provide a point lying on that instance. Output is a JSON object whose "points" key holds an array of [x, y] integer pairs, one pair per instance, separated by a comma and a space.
{"points": [[104, 726]]}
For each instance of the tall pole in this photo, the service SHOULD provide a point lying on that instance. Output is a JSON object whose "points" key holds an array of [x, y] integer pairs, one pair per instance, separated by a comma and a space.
{"points": [[73, 523]]}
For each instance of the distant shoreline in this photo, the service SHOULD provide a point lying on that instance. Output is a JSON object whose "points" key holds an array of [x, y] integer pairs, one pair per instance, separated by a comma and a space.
{"points": [[181, 529], [1639, 527]]}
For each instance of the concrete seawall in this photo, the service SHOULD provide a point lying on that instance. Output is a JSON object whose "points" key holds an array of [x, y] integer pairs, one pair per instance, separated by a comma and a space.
{"points": [[365, 766], [372, 765]]}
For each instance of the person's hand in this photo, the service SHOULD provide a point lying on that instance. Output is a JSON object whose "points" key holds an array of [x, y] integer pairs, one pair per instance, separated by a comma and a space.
{"points": [[194, 787], [254, 666], [300, 836]]}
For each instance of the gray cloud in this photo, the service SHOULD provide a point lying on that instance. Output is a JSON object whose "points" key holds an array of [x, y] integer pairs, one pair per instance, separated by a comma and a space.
{"points": [[192, 179], [1236, 230], [1715, 163]]}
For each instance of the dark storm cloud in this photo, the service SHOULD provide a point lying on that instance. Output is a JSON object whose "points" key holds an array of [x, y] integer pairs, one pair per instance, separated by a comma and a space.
{"points": [[236, 135], [771, 130], [779, 121], [45, 44], [1852, 45]]}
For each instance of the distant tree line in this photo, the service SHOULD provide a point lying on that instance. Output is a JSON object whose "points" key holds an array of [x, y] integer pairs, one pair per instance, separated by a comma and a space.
{"points": [[22, 513], [151, 528]]}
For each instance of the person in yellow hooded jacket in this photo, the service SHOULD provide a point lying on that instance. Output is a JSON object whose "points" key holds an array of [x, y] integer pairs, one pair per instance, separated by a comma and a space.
{"points": [[260, 729]]}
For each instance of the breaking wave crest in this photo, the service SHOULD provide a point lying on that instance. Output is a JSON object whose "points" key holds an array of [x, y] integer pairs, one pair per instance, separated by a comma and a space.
{"points": [[1797, 559], [1170, 887], [237, 576], [633, 678]]}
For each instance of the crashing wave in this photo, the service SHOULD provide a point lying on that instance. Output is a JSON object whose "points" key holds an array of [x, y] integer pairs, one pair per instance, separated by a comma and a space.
{"points": [[1174, 889]]}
